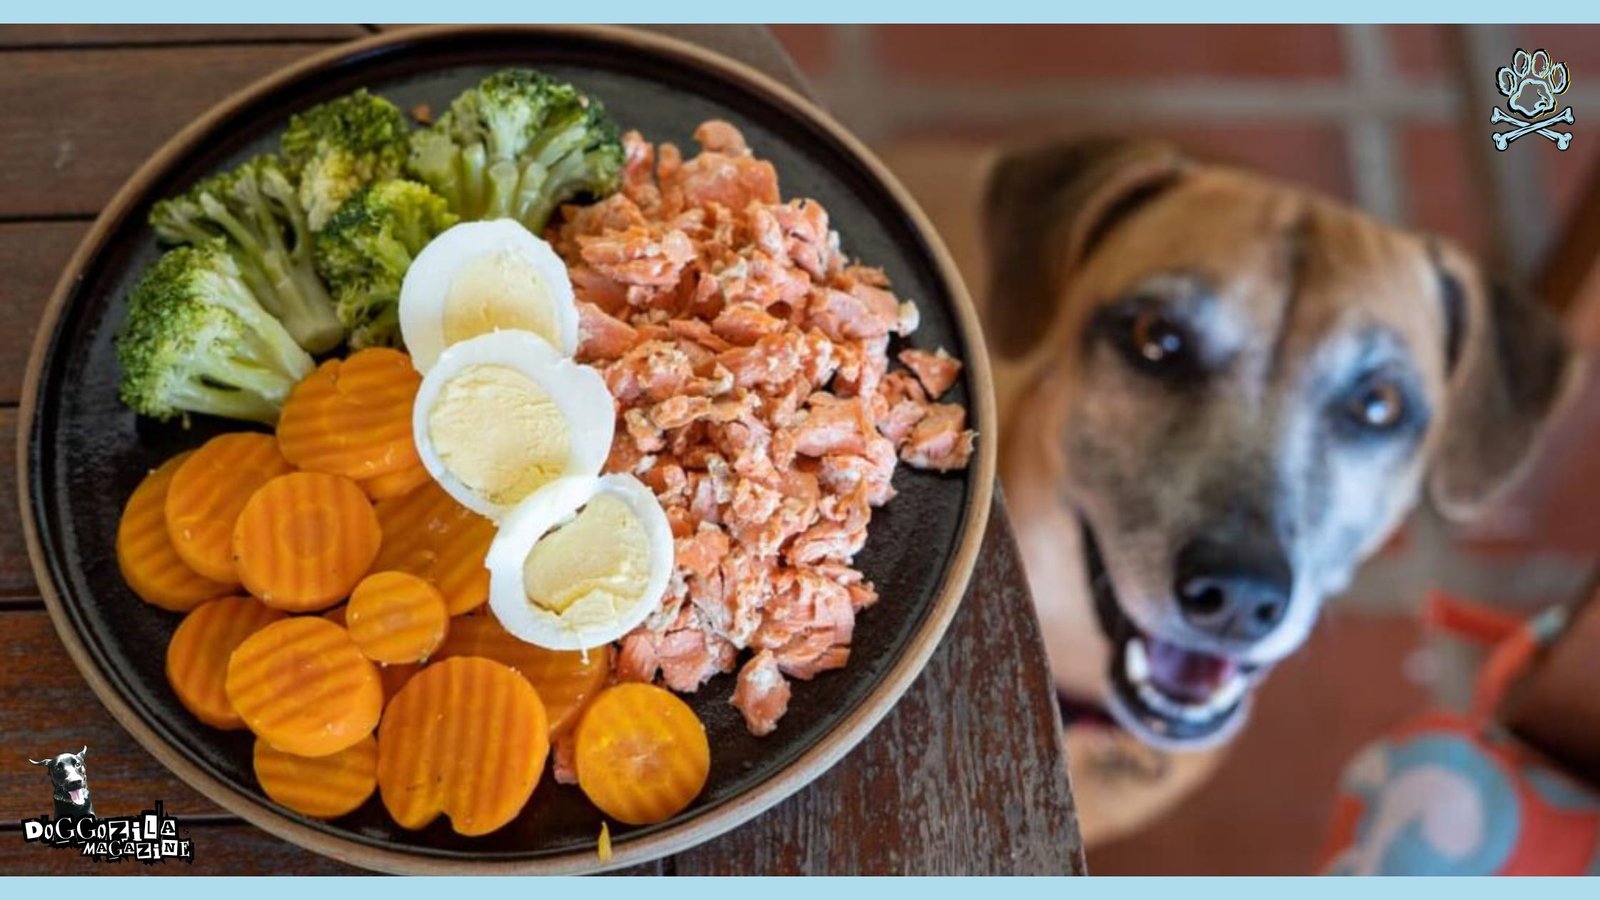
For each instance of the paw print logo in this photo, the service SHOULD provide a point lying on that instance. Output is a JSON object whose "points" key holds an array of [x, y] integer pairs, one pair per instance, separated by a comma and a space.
{"points": [[1530, 85], [1532, 82]]}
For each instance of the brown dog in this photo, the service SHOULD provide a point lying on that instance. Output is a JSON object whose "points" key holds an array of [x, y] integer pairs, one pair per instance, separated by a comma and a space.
{"points": [[1219, 395]]}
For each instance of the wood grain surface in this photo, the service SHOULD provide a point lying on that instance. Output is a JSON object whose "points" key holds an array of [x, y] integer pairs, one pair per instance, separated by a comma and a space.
{"points": [[965, 776]]}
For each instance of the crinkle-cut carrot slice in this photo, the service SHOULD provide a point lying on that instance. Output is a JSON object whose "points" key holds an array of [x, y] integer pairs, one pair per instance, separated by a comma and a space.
{"points": [[352, 416], [197, 655], [150, 564], [642, 755], [322, 787], [428, 533], [395, 484], [465, 737], [303, 686], [304, 540], [566, 682], [397, 617], [207, 493]]}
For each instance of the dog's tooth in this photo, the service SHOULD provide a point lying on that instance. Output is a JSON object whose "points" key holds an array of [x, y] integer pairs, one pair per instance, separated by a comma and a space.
{"points": [[1137, 661], [1232, 691]]}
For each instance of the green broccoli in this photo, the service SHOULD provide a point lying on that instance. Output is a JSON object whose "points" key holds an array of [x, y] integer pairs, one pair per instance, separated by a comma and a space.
{"points": [[366, 248], [197, 341], [517, 146], [254, 208], [339, 147]]}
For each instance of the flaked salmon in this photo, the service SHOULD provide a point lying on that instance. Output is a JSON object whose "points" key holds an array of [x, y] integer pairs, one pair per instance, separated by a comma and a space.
{"points": [[750, 362]]}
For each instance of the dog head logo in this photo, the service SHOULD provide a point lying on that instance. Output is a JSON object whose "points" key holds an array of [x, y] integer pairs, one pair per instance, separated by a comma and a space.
{"points": [[1531, 85], [70, 782]]}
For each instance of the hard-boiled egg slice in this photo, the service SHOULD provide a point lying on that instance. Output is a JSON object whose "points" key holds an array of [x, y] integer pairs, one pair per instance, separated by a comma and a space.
{"points": [[581, 563], [479, 277], [503, 414]]}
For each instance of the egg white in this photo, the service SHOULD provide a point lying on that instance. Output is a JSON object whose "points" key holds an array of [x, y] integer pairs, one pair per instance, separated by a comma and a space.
{"points": [[549, 508], [432, 274], [580, 394]]}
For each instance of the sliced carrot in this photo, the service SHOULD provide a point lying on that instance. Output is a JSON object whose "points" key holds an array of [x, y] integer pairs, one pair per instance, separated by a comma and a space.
{"points": [[150, 564], [642, 754], [323, 787], [207, 492], [304, 540], [397, 617], [352, 416], [303, 686], [466, 737], [395, 484], [197, 655], [429, 534], [566, 682]]}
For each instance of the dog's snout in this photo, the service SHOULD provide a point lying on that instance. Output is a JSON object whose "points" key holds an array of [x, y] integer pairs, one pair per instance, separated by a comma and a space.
{"points": [[1237, 591]]}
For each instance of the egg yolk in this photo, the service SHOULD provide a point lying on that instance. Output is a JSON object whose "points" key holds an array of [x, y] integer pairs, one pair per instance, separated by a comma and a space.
{"points": [[499, 432], [592, 568], [498, 291]]}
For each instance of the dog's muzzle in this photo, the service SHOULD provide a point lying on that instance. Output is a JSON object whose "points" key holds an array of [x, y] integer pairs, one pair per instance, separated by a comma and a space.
{"points": [[1169, 695]]}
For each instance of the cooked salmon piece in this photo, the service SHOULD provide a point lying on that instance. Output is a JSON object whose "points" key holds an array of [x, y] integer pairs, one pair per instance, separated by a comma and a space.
{"points": [[940, 440], [756, 394], [762, 694], [937, 370]]}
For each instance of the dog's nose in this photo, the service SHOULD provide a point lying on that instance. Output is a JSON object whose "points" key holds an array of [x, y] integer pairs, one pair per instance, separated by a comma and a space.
{"points": [[1236, 591]]}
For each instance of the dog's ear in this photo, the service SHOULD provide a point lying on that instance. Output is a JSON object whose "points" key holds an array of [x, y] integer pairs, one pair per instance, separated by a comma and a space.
{"points": [[84, 752], [1510, 366], [1046, 207], [40, 762]]}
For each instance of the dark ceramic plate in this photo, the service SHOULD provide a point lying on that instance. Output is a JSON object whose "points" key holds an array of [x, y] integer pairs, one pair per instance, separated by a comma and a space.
{"points": [[83, 452]]}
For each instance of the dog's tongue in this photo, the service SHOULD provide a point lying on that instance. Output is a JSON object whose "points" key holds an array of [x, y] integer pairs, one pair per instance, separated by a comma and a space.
{"points": [[1185, 674], [77, 795]]}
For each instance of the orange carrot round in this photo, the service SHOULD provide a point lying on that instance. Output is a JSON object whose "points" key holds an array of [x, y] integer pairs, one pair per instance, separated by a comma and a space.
{"points": [[323, 787], [566, 682], [427, 533], [197, 655], [466, 737], [352, 416], [642, 755], [304, 540], [303, 686], [395, 484], [149, 563], [207, 492], [396, 617]]}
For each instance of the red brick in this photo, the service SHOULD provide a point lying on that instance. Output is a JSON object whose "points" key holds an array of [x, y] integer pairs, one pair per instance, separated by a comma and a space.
{"points": [[1418, 49], [1015, 53], [811, 46], [1438, 192], [1311, 155]]}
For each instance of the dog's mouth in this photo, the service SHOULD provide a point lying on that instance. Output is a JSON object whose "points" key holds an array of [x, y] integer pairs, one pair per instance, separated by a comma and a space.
{"points": [[77, 795], [1168, 694]]}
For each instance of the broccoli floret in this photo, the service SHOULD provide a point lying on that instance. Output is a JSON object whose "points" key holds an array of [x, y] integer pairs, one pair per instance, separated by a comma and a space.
{"points": [[197, 341], [340, 147], [366, 248], [254, 209], [517, 146]]}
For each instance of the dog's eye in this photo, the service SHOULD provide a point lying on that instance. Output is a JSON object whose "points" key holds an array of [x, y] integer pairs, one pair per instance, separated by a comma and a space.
{"points": [[1155, 338], [1377, 405]]}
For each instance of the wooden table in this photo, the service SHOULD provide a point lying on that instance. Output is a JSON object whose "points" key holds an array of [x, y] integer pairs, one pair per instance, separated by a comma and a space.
{"points": [[965, 776]]}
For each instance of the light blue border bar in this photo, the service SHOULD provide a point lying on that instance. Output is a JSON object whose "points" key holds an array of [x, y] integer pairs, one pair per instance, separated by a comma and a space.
{"points": [[841, 11]]}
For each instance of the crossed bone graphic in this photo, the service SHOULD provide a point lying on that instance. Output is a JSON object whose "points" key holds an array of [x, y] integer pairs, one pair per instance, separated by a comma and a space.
{"points": [[1503, 139]]}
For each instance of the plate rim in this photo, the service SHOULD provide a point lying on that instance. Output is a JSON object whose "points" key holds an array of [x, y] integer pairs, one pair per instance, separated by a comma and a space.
{"points": [[843, 736]]}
